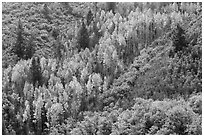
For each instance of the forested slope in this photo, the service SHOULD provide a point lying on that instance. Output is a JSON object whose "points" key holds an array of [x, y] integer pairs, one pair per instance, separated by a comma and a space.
{"points": [[102, 68]]}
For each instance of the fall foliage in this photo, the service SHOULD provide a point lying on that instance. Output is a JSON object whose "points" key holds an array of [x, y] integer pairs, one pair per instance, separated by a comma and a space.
{"points": [[94, 68]]}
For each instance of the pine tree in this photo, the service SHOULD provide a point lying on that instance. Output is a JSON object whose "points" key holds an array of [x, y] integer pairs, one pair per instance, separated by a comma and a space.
{"points": [[30, 48], [19, 46], [36, 71], [44, 119], [23, 48], [83, 37], [178, 38]]}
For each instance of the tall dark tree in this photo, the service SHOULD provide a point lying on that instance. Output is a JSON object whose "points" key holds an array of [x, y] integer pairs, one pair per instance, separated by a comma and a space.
{"points": [[83, 36], [19, 46], [36, 71], [43, 129], [30, 48], [178, 38], [23, 48]]}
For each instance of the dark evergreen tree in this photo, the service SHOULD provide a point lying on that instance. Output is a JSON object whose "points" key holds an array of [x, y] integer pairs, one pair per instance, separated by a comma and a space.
{"points": [[44, 119], [30, 48], [36, 71], [83, 37], [23, 48], [178, 38], [19, 46]]}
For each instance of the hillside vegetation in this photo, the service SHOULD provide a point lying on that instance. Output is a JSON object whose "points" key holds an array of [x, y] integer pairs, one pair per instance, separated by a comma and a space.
{"points": [[101, 68]]}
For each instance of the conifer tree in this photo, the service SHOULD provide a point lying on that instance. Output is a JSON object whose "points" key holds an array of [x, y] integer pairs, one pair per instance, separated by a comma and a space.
{"points": [[19, 46], [178, 38], [83, 37], [23, 48], [44, 119], [30, 48], [36, 71]]}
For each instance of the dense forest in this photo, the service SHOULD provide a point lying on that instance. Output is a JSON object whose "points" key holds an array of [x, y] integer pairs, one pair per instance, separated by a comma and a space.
{"points": [[93, 68]]}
